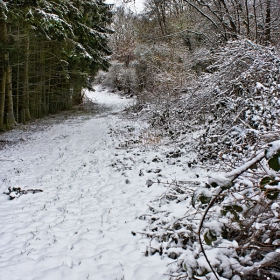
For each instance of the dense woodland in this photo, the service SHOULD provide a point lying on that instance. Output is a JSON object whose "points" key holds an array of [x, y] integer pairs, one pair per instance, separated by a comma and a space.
{"points": [[49, 51], [206, 76]]}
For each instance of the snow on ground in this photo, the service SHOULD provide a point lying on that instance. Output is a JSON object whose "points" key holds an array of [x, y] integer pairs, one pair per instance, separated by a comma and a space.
{"points": [[103, 97], [80, 226]]}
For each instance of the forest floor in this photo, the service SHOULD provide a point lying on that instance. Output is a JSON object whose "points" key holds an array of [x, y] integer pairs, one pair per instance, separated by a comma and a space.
{"points": [[85, 224]]}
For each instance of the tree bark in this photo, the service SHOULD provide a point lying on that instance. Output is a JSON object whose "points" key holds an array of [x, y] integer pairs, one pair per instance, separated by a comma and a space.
{"points": [[256, 22], [42, 81], [25, 92], [2, 97], [159, 18], [4, 60], [268, 21], [247, 19], [9, 95]]}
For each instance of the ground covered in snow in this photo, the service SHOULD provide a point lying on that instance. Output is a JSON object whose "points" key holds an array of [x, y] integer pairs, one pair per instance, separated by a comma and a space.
{"points": [[85, 223]]}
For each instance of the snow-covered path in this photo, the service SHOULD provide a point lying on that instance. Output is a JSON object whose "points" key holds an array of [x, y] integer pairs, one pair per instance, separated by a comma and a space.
{"points": [[80, 226]]}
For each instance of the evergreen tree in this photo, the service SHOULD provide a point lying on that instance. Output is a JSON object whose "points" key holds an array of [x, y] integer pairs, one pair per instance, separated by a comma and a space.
{"points": [[56, 47]]}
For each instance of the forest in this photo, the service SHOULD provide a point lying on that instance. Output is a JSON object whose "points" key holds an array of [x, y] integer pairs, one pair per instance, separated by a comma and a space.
{"points": [[205, 75], [49, 51]]}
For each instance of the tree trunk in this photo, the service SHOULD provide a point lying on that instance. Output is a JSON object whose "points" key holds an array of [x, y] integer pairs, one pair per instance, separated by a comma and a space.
{"points": [[247, 19], [9, 94], [25, 92], [41, 93], [268, 21], [4, 60], [256, 21], [2, 97], [159, 19]]}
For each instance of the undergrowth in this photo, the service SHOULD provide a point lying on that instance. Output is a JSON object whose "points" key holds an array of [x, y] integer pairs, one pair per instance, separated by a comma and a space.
{"points": [[227, 226]]}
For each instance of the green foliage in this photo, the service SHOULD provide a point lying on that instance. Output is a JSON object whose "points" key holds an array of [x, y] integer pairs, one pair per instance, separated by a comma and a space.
{"points": [[209, 237], [201, 195], [265, 180], [274, 162], [267, 183], [233, 209]]}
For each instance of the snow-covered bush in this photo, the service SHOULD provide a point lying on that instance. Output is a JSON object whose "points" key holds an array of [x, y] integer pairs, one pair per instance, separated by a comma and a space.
{"points": [[120, 77], [156, 72], [234, 108], [227, 227], [241, 102], [163, 69]]}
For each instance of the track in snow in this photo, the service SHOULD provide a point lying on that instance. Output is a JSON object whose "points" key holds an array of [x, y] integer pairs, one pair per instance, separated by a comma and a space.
{"points": [[80, 226]]}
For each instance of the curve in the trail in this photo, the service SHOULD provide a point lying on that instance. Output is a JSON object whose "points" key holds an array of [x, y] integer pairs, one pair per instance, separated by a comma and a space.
{"points": [[108, 99], [80, 226]]}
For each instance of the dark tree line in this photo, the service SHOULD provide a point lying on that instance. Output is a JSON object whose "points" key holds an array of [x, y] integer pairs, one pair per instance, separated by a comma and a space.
{"points": [[49, 51]]}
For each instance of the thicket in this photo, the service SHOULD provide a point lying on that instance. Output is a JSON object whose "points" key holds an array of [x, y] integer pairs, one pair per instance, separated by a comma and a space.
{"points": [[156, 53], [49, 51], [229, 118], [206, 76]]}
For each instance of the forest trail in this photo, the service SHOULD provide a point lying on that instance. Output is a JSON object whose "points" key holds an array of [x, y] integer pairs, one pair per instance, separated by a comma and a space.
{"points": [[80, 226]]}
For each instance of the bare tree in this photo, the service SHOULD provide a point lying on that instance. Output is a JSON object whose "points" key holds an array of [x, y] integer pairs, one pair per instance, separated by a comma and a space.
{"points": [[254, 19]]}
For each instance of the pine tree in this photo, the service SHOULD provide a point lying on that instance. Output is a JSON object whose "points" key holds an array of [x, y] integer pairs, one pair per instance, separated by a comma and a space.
{"points": [[56, 48]]}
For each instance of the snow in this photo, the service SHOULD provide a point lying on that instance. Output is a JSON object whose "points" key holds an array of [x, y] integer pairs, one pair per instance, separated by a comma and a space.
{"points": [[102, 96], [216, 226], [136, 6], [104, 177], [80, 226], [220, 179], [272, 150], [260, 86], [275, 209]]}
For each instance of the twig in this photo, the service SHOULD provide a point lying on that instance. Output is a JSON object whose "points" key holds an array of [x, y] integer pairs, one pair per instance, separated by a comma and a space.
{"points": [[232, 176], [219, 191]]}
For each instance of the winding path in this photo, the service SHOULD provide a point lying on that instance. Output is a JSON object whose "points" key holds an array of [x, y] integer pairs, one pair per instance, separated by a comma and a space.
{"points": [[80, 226]]}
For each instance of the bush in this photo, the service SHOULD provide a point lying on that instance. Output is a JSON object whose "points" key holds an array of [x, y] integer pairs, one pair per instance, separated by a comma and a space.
{"points": [[229, 227], [119, 77]]}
